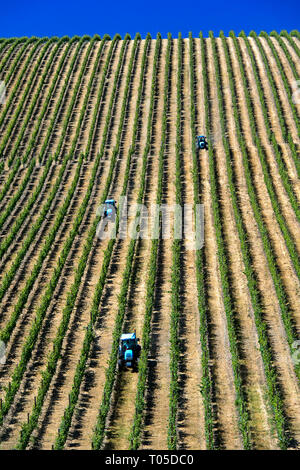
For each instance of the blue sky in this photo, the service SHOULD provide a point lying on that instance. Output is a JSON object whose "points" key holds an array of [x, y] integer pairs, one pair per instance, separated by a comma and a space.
{"points": [[49, 18]]}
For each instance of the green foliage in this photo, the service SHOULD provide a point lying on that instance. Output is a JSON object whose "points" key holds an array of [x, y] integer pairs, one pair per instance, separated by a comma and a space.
{"points": [[62, 97], [12, 202], [62, 63], [206, 385], [46, 299], [18, 59], [36, 97], [241, 401], [10, 178], [66, 122], [20, 78], [135, 434], [274, 395], [262, 99], [176, 278], [285, 50], [15, 116], [15, 42], [28, 427], [99, 432], [87, 93], [285, 34], [100, 93], [282, 73], [6, 241], [278, 284]]}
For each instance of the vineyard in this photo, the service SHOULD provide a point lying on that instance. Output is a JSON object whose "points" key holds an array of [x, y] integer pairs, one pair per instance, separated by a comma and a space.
{"points": [[85, 119]]}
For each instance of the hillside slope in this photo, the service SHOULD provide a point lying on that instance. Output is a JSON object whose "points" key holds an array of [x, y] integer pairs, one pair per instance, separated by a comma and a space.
{"points": [[86, 119]]}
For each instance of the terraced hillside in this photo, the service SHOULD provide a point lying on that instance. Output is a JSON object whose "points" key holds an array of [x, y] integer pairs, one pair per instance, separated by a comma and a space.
{"points": [[86, 119]]}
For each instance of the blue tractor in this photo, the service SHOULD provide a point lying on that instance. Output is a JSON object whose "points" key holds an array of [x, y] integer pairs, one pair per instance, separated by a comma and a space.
{"points": [[110, 209], [201, 142], [129, 350]]}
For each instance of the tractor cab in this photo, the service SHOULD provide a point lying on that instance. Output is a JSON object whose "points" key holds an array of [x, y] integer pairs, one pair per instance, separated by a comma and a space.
{"points": [[110, 209], [129, 350], [201, 142]]}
